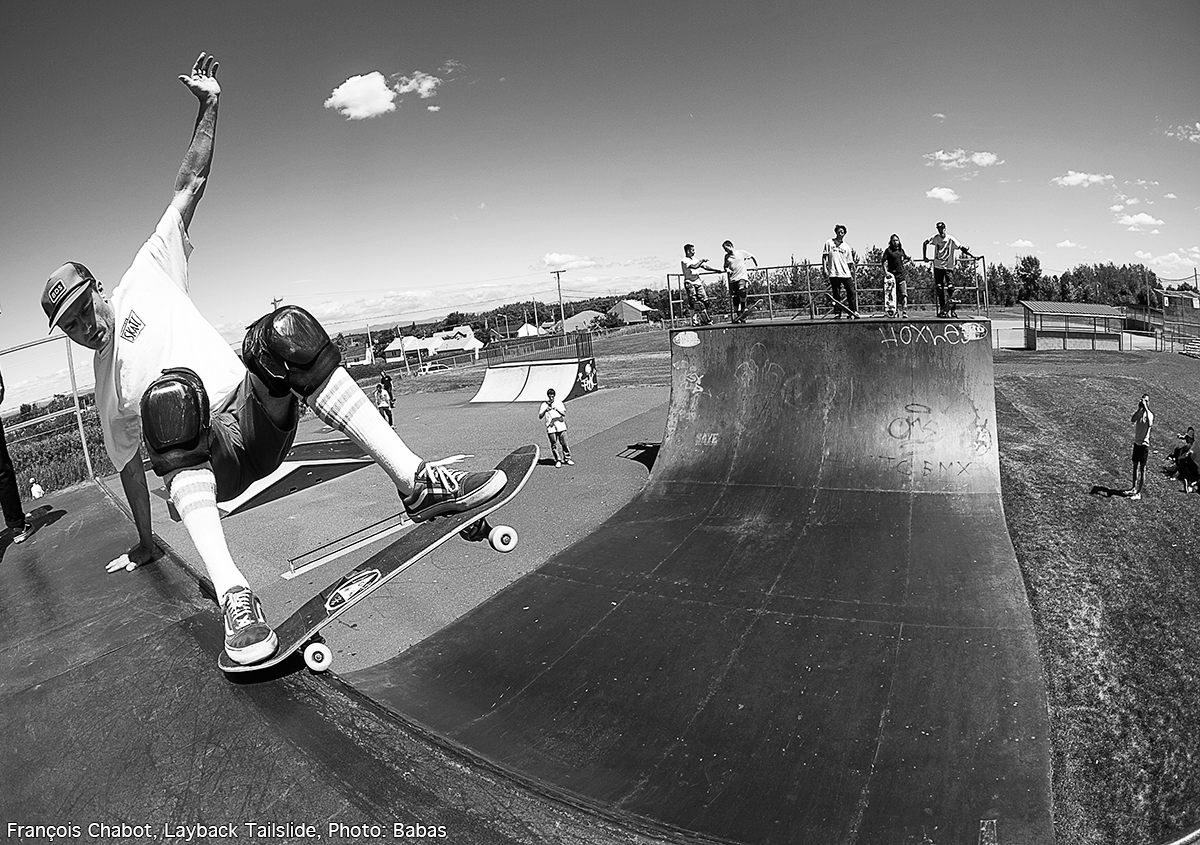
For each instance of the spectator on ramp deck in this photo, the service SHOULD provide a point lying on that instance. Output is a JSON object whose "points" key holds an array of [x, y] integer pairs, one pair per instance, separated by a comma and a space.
{"points": [[944, 262], [693, 286], [895, 280], [1142, 420], [738, 277], [839, 261], [554, 412]]}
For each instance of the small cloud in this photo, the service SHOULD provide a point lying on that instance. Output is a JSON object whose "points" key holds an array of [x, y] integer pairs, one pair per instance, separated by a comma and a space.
{"points": [[1155, 231], [944, 194], [1171, 197], [1185, 133], [360, 97], [938, 116], [450, 67], [1074, 179], [1117, 207], [1138, 222], [1133, 201], [424, 84], [433, 108], [1022, 243], [960, 159], [482, 206], [561, 261], [1068, 244]]}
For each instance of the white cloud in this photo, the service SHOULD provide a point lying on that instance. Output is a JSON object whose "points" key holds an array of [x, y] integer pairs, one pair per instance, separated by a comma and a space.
{"points": [[1138, 222], [944, 194], [1022, 243], [1180, 262], [1171, 197], [1133, 201], [360, 97], [961, 159], [1068, 244], [560, 261], [939, 116], [424, 84], [1185, 133], [1074, 179], [433, 108], [1117, 207]]}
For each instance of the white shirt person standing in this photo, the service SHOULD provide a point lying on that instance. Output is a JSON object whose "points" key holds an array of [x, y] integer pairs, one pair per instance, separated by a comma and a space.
{"points": [[554, 412]]}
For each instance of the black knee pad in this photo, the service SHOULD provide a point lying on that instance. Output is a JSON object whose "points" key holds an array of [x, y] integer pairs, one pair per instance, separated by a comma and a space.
{"points": [[289, 350], [175, 421]]}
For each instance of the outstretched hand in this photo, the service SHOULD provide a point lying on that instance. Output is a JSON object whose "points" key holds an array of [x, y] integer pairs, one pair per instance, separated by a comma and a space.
{"points": [[134, 558], [202, 81]]}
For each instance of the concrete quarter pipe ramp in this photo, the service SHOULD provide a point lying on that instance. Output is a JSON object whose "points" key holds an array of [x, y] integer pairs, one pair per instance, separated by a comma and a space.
{"points": [[528, 381], [808, 628]]}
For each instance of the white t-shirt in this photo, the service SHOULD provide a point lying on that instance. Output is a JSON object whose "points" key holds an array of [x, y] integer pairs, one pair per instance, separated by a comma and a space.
{"points": [[157, 326], [555, 415], [943, 251], [838, 258]]}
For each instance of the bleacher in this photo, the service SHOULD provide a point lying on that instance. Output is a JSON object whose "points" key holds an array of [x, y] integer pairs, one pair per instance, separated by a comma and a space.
{"points": [[1191, 349]]}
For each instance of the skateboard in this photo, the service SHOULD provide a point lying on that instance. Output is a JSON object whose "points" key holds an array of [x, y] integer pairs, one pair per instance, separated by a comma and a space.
{"points": [[842, 307], [302, 630]]}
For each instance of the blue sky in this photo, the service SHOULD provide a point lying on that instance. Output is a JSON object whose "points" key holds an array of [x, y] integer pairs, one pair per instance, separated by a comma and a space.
{"points": [[395, 161]]}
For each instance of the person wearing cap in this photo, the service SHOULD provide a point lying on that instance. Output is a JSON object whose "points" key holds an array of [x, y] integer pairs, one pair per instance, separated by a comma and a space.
{"points": [[693, 286], [15, 517], [738, 277], [554, 412], [212, 425], [839, 261], [944, 262]]}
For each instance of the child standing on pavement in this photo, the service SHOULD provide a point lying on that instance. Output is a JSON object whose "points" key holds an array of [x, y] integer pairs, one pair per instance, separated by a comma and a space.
{"points": [[383, 400], [554, 412]]}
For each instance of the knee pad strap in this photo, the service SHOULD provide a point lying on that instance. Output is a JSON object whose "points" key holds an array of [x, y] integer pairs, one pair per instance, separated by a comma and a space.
{"points": [[175, 421], [289, 350]]}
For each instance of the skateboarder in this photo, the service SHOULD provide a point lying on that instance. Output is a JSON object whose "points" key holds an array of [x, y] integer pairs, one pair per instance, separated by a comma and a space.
{"points": [[944, 262], [211, 424], [1143, 421], [895, 284], [693, 285], [554, 412], [738, 277], [839, 261]]}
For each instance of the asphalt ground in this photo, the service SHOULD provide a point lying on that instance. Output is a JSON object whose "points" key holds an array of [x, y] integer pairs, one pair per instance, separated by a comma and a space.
{"points": [[557, 507]]}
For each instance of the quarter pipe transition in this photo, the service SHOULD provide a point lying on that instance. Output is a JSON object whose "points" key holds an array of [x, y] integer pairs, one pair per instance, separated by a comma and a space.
{"points": [[809, 627]]}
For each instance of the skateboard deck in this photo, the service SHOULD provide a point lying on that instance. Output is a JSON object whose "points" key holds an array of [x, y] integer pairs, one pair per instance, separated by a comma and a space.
{"points": [[302, 629]]}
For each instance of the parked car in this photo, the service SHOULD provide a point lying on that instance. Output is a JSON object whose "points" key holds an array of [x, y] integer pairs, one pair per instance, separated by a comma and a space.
{"points": [[432, 367]]}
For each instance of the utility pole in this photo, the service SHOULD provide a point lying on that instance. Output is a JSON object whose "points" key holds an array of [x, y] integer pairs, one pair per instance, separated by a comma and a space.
{"points": [[561, 314], [275, 302]]}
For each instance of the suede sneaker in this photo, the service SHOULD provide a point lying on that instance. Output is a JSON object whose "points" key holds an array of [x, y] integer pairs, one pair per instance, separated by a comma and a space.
{"points": [[441, 490], [248, 637]]}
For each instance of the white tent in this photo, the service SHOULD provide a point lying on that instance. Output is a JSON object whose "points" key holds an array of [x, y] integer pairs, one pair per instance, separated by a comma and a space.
{"points": [[528, 330]]}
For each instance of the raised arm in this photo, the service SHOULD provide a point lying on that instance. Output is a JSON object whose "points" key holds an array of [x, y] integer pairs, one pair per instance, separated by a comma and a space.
{"points": [[193, 173]]}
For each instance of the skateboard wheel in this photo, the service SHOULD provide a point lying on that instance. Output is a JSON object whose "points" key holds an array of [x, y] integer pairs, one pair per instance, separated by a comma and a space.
{"points": [[317, 656], [503, 538]]}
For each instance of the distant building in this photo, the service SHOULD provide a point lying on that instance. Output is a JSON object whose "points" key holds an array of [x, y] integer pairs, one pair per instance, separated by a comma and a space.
{"points": [[357, 354], [1181, 308], [629, 311], [581, 321], [528, 330]]}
